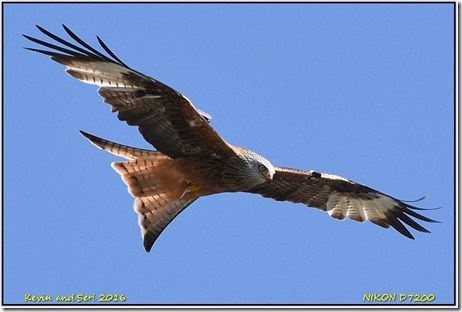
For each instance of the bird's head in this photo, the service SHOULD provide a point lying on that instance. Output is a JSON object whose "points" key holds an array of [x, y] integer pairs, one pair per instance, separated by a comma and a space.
{"points": [[266, 169], [261, 170]]}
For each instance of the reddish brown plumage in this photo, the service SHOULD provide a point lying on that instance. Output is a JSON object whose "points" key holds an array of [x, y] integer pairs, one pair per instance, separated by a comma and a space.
{"points": [[193, 160]]}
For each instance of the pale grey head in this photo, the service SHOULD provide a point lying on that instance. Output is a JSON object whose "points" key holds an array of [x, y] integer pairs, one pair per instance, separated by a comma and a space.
{"points": [[257, 170]]}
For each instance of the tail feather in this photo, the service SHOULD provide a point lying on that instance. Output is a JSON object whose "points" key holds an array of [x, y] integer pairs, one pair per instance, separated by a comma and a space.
{"points": [[144, 177], [159, 189], [154, 215]]}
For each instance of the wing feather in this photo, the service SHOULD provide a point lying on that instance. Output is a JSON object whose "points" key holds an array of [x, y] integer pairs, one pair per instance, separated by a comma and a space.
{"points": [[341, 198], [164, 117]]}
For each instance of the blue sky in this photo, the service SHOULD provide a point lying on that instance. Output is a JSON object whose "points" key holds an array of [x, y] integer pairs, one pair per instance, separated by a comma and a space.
{"points": [[364, 91]]}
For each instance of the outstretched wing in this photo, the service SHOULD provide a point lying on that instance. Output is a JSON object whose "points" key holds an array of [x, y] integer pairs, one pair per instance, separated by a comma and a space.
{"points": [[341, 199], [164, 117]]}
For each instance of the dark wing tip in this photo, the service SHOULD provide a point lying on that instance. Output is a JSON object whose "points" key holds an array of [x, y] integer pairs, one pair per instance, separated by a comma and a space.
{"points": [[43, 30], [97, 141], [406, 232], [404, 213], [407, 209], [109, 51], [395, 222], [415, 200], [148, 241], [418, 200], [84, 50], [87, 135]]}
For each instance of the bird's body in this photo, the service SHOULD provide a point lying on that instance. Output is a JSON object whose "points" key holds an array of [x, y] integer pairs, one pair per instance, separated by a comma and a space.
{"points": [[224, 176], [192, 160]]}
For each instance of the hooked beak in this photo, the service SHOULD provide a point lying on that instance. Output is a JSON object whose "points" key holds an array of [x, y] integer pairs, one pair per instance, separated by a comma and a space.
{"points": [[267, 175]]}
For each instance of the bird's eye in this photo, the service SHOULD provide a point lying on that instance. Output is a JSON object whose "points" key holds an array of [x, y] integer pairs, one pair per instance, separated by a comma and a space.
{"points": [[262, 168]]}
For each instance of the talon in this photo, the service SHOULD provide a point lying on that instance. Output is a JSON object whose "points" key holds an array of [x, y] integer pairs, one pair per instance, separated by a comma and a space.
{"points": [[193, 187]]}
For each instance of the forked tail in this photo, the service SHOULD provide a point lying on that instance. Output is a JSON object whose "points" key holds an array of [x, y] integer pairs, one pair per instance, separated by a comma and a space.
{"points": [[159, 190]]}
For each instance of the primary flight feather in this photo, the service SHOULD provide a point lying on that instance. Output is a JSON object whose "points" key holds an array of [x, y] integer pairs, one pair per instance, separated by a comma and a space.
{"points": [[192, 160]]}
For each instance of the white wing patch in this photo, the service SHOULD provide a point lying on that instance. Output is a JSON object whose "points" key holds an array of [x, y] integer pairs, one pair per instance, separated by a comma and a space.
{"points": [[333, 177], [339, 206], [355, 210], [100, 73]]}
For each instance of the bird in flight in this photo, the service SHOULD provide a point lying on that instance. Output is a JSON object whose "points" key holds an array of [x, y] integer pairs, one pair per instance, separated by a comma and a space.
{"points": [[192, 160]]}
